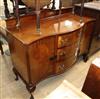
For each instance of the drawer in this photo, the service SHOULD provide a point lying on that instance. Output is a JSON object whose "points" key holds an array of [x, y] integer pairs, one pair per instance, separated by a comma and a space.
{"points": [[66, 52], [68, 39], [61, 66]]}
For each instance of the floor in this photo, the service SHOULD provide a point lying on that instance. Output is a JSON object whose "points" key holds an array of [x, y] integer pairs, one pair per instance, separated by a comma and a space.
{"points": [[11, 89]]}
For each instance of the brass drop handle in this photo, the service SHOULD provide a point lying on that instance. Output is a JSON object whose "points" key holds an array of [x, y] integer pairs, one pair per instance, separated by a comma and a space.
{"points": [[63, 42], [62, 53]]}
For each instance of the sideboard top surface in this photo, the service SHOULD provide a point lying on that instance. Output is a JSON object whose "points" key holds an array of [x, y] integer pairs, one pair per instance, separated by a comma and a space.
{"points": [[27, 34]]}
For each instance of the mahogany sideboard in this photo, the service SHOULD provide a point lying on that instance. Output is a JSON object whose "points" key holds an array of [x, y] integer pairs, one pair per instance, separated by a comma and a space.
{"points": [[92, 9], [36, 56]]}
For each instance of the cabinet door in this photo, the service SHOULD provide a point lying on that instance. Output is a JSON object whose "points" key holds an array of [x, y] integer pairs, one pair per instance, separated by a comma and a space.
{"points": [[41, 57]]}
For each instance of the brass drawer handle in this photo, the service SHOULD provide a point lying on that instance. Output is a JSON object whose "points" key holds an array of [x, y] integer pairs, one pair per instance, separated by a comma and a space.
{"points": [[64, 41], [62, 53]]}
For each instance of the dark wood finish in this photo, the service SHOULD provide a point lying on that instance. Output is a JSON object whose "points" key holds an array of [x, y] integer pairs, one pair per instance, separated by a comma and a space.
{"points": [[36, 57], [95, 40], [91, 86]]}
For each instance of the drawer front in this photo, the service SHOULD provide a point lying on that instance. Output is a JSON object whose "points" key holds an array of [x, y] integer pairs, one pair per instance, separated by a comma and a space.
{"points": [[61, 66], [66, 52], [68, 39]]}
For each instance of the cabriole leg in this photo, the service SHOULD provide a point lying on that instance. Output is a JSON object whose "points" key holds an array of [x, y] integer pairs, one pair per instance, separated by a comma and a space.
{"points": [[30, 89], [32, 97], [85, 57], [15, 74]]}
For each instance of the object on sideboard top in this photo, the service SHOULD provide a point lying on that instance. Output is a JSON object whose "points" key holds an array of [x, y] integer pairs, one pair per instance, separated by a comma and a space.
{"points": [[32, 3]]}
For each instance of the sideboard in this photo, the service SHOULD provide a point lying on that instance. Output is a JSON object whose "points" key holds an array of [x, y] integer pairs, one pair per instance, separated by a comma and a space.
{"points": [[36, 56], [92, 9]]}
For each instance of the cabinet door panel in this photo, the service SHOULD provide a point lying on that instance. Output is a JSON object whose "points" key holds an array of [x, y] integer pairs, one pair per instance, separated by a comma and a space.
{"points": [[39, 55], [86, 35], [18, 56]]}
